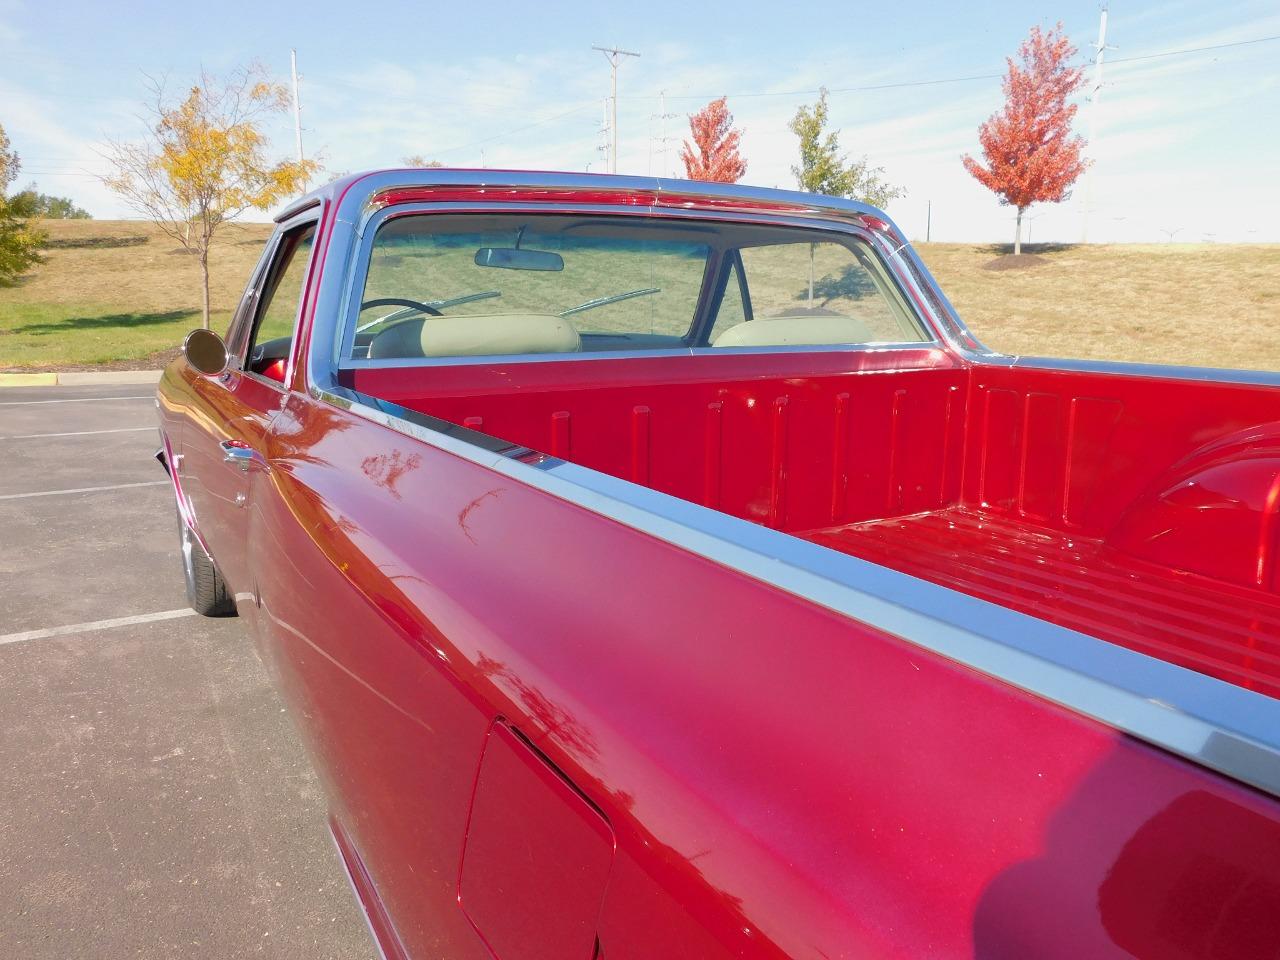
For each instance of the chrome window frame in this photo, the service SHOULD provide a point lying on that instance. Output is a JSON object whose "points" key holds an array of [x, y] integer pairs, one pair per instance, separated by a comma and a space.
{"points": [[358, 271], [242, 320], [1218, 725], [309, 215], [241, 327]]}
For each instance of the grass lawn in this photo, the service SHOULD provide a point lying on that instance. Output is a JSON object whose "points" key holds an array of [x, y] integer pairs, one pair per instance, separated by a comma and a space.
{"points": [[120, 292], [1214, 305], [92, 334], [117, 293]]}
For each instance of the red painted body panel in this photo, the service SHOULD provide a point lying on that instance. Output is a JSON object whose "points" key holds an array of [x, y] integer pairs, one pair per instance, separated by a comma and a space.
{"points": [[536, 860], [237, 410], [1077, 450], [1228, 632], [1047, 486], [780, 780], [1215, 512], [790, 441]]}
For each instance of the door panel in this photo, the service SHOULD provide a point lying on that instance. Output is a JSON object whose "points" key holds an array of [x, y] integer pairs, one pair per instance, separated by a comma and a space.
{"points": [[391, 719], [240, 410], [225, 456]]}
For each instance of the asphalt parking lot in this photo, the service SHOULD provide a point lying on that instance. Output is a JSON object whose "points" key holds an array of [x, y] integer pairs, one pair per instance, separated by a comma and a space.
{"points": [[154, 799]]}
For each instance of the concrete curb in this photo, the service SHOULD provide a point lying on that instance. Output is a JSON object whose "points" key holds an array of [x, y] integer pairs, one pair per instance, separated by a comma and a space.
{"points": [[75, 378]]}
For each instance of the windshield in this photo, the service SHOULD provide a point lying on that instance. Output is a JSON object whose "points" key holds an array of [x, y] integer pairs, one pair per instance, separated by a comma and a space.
{"points": [[502, 284]]}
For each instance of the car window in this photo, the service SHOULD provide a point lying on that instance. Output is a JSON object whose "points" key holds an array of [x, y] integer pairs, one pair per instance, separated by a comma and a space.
{"points": [[447, 286], [806, 292], [732, 309], [439, 285], [279, 303]]}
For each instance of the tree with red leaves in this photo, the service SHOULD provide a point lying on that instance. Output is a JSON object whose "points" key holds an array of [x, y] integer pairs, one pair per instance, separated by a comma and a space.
{"points": [[713, 155], [1030, 153]]}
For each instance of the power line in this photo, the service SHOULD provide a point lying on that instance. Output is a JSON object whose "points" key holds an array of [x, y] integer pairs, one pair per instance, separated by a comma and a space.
{"points": [[506, 133], [60, 173], [1212, 46], [942, 80], [801, 93]]}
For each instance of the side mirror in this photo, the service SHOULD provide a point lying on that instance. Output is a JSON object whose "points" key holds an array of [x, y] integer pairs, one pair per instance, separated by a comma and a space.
{"points": [[206, 352]]}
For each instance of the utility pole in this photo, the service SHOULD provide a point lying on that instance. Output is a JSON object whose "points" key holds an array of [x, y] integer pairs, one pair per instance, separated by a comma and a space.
{"points": [[603, 149], [928, 222], [614, 56], [1099, 54], [1031, 218], [297, 107], [663, 116]]}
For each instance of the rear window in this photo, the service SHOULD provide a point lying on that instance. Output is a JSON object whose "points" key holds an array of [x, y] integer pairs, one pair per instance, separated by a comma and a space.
{"points": [[801, 280], [447, 285]]}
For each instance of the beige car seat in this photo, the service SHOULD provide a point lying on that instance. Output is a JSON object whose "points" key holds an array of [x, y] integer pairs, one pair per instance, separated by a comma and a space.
{"points": [[798, 329], [471, 336]]}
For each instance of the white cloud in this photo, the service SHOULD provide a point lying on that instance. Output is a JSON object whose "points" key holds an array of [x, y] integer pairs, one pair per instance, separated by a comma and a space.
{"points": [[1167, 129]]}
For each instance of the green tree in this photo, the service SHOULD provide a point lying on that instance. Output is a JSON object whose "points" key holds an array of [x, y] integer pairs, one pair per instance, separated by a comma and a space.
{"points": [[55, 208], [20, 241], [204, 161], [824, 169]]}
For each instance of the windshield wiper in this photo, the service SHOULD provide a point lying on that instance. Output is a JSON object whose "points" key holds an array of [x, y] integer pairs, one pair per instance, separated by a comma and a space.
{"points": [[434, 304], [605, 301]]}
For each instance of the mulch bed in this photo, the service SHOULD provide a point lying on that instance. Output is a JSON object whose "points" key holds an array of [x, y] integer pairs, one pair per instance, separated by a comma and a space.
{"points": [[1015, 261], [156, 361]]}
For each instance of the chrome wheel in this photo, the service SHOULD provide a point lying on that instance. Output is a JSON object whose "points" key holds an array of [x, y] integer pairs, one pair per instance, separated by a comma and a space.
{"points": [[207, 592]]}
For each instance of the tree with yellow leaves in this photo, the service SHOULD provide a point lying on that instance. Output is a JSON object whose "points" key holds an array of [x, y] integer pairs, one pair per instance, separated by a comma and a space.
{"points": [[204, 161], [20, 241]]}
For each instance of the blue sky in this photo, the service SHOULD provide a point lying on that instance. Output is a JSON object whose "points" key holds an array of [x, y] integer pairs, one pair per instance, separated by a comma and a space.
{"points": [[1186, 146]]}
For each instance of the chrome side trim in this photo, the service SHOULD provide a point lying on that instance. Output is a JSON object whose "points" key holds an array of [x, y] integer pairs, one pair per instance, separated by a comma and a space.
{"points": [[1156, 371], [355, 894], [428, 362], [1221, 726], [172, 464]]}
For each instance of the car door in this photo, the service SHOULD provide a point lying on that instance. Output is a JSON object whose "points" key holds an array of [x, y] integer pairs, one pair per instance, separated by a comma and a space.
{"points": [[224, 452]]}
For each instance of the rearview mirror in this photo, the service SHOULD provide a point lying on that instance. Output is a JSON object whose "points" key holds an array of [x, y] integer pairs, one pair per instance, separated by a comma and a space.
{"points": [[513, 258], [206, 352]]}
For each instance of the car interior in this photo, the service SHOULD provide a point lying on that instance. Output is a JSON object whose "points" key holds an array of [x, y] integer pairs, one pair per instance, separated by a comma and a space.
{"points": [[546, 284]]}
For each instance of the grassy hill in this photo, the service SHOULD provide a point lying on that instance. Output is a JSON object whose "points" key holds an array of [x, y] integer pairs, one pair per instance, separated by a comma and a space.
{"points": [[118, 292], [121, 293]]}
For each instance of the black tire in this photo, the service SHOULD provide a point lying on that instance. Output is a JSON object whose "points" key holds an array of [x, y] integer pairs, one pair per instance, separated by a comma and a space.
{"points": [[207, 592]]}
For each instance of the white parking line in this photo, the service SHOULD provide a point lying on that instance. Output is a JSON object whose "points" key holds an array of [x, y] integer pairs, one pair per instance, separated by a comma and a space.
{"points": [[58, 493], [92, 625], [27, 403], [74, 433]]}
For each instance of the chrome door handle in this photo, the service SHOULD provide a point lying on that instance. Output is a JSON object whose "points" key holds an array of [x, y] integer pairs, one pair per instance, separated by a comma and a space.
{"points": [[237, 451]]}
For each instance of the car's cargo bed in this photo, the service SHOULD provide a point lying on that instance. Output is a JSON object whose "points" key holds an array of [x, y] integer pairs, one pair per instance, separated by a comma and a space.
{"points": [[1225, 631], [1144, 512]]}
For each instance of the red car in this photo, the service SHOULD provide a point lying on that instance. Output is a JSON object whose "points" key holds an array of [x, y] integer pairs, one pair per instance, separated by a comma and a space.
{"points": [[661, 570]]}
